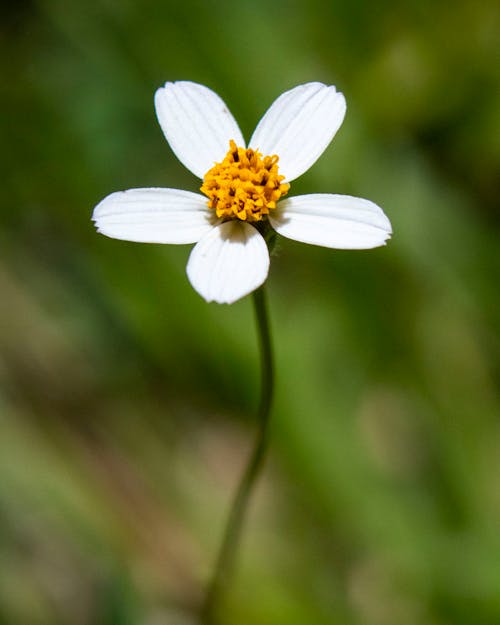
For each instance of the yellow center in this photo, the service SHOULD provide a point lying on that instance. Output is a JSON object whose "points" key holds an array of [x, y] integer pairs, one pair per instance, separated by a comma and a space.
{"points": [[245, 185]]}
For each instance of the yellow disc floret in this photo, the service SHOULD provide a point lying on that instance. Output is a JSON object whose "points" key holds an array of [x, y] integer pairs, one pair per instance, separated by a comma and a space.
{"points": [[245, 185]]}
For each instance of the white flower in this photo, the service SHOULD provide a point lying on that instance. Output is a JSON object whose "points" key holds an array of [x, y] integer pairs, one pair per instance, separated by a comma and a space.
{"points": [[231, 258]]}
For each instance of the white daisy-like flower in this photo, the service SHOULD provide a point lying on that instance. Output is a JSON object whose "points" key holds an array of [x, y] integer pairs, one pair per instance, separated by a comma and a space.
{"points": [[243, 186]]}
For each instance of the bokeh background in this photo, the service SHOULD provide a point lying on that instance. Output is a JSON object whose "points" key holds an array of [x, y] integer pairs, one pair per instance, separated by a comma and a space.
{"points": [[127, 402]]}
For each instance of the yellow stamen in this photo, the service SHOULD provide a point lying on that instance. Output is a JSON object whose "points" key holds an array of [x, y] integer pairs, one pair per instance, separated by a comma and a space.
{"points": [[245, 185]]}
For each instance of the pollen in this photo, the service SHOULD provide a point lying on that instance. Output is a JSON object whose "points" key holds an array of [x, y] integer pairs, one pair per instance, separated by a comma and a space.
{"points": [[245, 185]]}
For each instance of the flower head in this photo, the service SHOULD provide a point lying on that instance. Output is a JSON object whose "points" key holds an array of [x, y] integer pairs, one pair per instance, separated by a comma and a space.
{"points": [[243, 188]]}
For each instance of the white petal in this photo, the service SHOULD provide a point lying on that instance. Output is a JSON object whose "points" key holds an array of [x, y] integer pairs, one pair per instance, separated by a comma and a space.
{"points": [[229, 262], [299, 126], [196, 123], [338, 221], [154, 216]]}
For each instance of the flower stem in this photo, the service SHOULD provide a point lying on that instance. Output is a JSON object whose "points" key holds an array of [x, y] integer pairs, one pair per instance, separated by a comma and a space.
{"points": [[226, 558]]}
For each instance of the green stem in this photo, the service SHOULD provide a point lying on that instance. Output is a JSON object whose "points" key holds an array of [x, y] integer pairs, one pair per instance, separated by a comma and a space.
{"points": [[225, 561]]}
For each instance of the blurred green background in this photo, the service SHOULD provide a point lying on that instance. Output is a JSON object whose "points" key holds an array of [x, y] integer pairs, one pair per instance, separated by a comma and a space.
{"points": [[127, 402]]}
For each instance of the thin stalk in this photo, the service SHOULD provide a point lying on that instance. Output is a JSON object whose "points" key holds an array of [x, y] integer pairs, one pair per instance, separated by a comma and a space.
{"points": [[226, 558]]}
